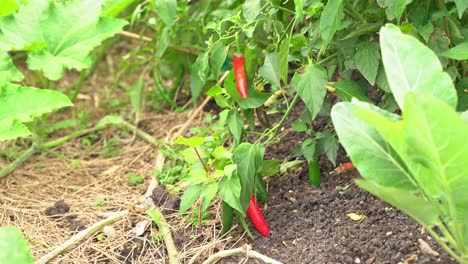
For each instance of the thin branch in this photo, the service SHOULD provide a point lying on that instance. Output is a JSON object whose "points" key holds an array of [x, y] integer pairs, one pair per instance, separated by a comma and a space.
{"points": [[147, 39], [245, 249], [80, 236], [165, 231]]}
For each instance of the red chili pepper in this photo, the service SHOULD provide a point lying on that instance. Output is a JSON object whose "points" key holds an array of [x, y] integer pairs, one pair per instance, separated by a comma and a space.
{"points": [[240, 76], [256, 216], [344, 168]]}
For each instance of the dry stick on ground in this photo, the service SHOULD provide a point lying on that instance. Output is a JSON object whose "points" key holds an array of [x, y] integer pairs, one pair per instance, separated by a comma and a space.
{"points": [[165, 231], [147, 39], [81, 235], [245, 249]]}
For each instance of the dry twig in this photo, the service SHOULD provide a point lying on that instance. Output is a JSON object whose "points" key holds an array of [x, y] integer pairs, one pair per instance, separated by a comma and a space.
{"points": [[245, 249]]}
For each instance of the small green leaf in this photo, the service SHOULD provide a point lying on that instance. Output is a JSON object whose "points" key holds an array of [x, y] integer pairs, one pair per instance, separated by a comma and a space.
{"points": [[113, 8], [235, 124], [270, 168], [299, 8], [198, 75], [298, 126], [190, 196], [310, 86], [7, 7], [7, 65], [367, 60], [13, 129], [251, 9], [426, 31], [218, 54], [136, 95], [270, 69], [330, 21], [459, 52], [192, 142], [347, 89], [163, 43], [329, 145], [208, 192], [230, 190], [462, 5], [249, 160], [283, 58], [167, 10], [14, 247], [399, 7]]}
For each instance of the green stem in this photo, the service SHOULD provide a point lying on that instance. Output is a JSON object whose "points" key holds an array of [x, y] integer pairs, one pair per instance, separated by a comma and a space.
{"points": [[328, 58], [12, 166], [147, 137], [444, 245], [79, 85], [60, 141]]}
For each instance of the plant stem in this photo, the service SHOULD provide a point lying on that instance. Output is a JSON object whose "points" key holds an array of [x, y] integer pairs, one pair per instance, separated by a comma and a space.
{"points": [[12, 166], [147, 137], [446, 22], [69, 137], [79, 85], [201, 160], [328, 58], [165, 231]]}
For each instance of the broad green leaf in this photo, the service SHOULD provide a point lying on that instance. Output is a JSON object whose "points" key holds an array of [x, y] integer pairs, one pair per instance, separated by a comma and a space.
{"points": [[113, 8], [328, 144], [208, 192], [255, 98], [407, 201], [218, 54], [347, 89], [251, 9], [372, 155], [426, 31], [7, 7], [438, 155], [270, 70], [198, 75], [167, 10], [70, 31], [12, 129], [7, 65], [308, 149], [249, 160], [235, 124], [298, 126], [14, 247], [189, 197], [21, 29], [25, 103], [192, 142], [382, 81], [310, 85], [230, 190], [411, 66], [367, 60], [459, 52], [330, 21]]}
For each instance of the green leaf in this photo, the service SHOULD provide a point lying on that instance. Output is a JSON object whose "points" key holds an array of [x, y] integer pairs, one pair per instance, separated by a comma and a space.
{"points": [[249, 160], [113, 8], [330, 21], [270, 167], [230, 190], [299, 8], [347, 89], [328, 144], [370, 153], [110, 120], [255, 98], [167, 10], [13, 129], [198, 75], [407, 201], [70, 31], [251, 9], [218, 54], [235, 124], [7, 65], [7, 7], [399, 7], [310, 85], [283, 58], [270, 69], [14, 247], [426, 31], [190, 197], [462, 5], [308, 149], [459, 52], [208, 192], [192, 142], [411, 66], [163, 43], [136, 95], [298, 126], [25, 103], [367, 60]]}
